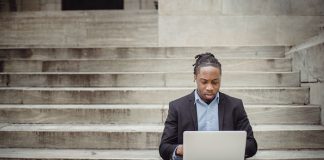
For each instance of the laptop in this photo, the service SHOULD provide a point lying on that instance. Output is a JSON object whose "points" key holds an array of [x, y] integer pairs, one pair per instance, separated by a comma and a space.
{"points": [[214, 145]]}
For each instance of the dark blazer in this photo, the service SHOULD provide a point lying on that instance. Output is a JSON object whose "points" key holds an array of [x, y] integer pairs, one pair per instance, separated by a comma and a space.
{"points": [[182, 116]]}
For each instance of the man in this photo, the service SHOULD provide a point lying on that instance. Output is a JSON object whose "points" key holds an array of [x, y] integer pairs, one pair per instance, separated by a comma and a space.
{"points": [[205, 109]]}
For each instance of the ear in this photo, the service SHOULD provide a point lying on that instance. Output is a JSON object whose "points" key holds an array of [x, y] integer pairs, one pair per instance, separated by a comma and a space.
{"points": [[195, 78]]}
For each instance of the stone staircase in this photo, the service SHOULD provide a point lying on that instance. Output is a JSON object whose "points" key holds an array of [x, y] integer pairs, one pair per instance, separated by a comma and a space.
{"points": [[84, 85], [110, 103]]}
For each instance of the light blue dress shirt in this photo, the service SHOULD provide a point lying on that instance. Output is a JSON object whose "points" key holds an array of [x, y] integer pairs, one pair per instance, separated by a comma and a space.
{"points": [[207, 115]]}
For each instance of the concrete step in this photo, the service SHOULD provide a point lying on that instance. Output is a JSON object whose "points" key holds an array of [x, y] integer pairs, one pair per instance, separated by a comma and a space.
{"points": [[289, 136], [140, 52], [145, 114], [77, 154], [249, 95], [143, 79], [115, 27], [139, 35], [94, 136], [289, 155], [42, 25], [142, 65]]}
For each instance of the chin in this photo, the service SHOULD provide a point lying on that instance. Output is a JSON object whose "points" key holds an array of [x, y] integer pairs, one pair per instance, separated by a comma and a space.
{"points": [[209, 99]]}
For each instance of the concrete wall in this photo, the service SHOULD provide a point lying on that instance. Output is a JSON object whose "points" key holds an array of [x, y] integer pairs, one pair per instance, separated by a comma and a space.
{"points": [[32, 5], [114, 28], [238, 22], [38, 5], [308, 58], [56, 5]]}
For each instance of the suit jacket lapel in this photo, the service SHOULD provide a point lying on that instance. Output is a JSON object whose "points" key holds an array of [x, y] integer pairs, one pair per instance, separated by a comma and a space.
{"points": [[193, 110], [221, 111]]}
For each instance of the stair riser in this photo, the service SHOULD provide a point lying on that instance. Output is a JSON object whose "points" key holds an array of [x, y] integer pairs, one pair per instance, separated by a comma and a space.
{"points": [[81, 34], [283, 115], [83, 116], [158, 96], [146, 140], [290, 139], [297, 115], [102, 140], [115, 28], [77, 154], [152, 65], [145, 80], [158, 52]]}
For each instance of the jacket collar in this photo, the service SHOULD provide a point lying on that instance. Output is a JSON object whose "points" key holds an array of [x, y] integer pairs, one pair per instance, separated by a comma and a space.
{"points": [[221, 110]]}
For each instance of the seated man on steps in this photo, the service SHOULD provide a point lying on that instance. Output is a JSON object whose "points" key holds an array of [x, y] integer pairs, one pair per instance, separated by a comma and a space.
{"points": [[205, 109]]}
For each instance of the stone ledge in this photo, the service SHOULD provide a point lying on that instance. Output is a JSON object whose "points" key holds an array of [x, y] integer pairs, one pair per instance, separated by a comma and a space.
{"points": [[78, 154]]}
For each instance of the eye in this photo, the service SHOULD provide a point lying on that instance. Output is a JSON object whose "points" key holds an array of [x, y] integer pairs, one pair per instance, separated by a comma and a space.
{"points": [[215, 82], [203, 81]]}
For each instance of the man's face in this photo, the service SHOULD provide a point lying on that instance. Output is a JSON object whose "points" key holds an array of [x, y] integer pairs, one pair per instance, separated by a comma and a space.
{"points": [[208, 81]]}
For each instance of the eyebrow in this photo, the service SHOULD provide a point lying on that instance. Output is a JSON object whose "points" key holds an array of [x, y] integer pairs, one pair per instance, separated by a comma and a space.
{"points": [[207, 80]]}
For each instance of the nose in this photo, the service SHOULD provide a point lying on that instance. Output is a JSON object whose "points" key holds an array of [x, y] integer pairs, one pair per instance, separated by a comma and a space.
{"points": [[209, 87]]}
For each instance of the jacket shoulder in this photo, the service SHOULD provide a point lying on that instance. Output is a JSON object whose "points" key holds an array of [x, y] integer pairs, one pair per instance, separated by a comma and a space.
{"points": [[183, 99], [229, 99]]}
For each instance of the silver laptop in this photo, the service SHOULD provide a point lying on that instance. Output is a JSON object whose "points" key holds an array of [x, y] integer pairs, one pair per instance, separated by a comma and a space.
{"points": [[214, 145]]}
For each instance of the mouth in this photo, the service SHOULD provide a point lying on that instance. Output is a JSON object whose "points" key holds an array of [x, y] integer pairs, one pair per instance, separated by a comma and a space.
{"points": [[209, 95]]}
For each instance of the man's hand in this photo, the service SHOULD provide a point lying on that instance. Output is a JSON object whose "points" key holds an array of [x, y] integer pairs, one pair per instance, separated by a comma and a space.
{"points": [[179, 151]]}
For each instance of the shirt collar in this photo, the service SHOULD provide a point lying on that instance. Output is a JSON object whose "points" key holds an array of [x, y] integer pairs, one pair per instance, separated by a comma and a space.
{"points": [[198, 99]]}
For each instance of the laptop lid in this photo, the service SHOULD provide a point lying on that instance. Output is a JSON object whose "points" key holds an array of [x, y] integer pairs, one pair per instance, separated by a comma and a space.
{"points": [[214, 145]]}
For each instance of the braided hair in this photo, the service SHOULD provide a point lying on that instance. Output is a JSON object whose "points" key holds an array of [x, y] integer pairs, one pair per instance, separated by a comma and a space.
{"points": [[206, 59]]}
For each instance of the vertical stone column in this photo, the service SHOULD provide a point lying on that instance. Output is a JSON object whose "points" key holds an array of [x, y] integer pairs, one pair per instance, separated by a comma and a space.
{"points": [[52, 5], [139, 4], [28, 5], [131, 4], [4, 6]]}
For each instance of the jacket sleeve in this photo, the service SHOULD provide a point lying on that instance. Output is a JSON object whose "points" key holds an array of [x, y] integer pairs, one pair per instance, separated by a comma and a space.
{"points": [[242, 123], [169, 138]]}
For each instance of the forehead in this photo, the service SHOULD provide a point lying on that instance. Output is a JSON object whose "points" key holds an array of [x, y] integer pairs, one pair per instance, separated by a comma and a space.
{"points": [[208, 71]]}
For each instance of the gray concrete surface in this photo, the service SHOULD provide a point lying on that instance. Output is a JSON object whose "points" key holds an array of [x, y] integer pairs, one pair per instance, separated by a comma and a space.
{"points": [[145, 114], [283, 126], [258, 95], [143, 65], [242, 7], [236, 30], [79, 28], [143, 137], [140, 79], [141, 52], [308, 59], [238, 22], [77, 154]]}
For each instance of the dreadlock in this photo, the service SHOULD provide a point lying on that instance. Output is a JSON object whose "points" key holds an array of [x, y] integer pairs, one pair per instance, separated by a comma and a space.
{"points": [[206, 59]]}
